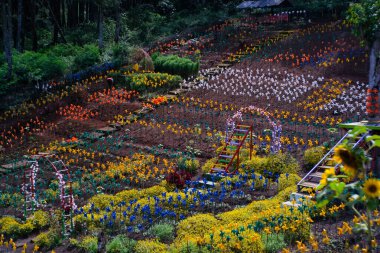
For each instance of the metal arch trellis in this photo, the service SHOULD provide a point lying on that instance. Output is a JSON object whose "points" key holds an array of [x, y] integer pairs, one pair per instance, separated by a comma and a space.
{"points": [[276, 126], [60, 170]]}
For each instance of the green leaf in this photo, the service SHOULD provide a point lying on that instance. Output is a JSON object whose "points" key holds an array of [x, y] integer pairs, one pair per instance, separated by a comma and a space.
{"points": [[372, 137], [357, 131], [375, 143], [337, 187], [322, 203], [372, 203], [320, 187]]}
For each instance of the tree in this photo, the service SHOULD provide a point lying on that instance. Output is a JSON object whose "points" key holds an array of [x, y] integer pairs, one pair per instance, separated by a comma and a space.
{"points": [[365, 18], [118, 21], [7, 35], [20, 32]]}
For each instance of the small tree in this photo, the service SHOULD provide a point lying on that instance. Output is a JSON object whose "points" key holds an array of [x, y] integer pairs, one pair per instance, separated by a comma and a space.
{"points": [[365, 18]]}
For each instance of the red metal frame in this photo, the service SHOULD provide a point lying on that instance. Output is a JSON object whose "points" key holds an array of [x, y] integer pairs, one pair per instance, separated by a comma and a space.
{"points": [[238, 147]]}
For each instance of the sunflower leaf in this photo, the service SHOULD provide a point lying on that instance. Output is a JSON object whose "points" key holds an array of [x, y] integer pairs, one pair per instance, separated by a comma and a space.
{"points": [[372, 203], [337, 187], [372, 137], [375, 143]]}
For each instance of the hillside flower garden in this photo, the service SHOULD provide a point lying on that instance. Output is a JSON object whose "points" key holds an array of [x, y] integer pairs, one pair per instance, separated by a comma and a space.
{"points": [[220, 130]]}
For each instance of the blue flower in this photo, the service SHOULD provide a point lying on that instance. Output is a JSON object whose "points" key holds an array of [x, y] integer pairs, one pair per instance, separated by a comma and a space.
{"points": [[132, 218], [113, 215], [130, 229]]}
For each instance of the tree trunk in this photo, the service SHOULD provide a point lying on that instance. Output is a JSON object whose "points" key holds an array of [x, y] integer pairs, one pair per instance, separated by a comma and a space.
{"points": [[374, 58], [33, 25], [20, 17], [7, 35], [100, 25], [92, 11], [72, 17], [56, 16], [63, 13], [117, 25], [82, 13]]}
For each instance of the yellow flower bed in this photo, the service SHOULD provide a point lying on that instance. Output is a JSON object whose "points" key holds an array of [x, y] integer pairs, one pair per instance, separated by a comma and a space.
{"points": [[148, 246]]}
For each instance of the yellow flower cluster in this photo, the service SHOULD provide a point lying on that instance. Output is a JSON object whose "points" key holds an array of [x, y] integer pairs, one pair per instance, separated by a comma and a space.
{"points": [[178, 129], [208, 103], [138, 168], [153, 80], [8, 244], [328, 91], [295, 117]]}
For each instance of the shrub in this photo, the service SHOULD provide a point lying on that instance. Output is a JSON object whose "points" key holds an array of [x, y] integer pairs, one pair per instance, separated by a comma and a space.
{"points": [[12, 228], [196, 225], [206, 168], [48, 240], [257, 182], [164, 232], [152, 82], [8, 199], [63, 50], [273, 243], [121, 244], [302, 233], [286, 180], [178, 178], [190, 165], [257, 164], [246, 241], [142, 58], [312, 156], [89, 244], [188, 247], [89, 55], [120, 54], [275, 163], [40, 219], [101, 201], [175, 65], [32, 66], [148, 246]]}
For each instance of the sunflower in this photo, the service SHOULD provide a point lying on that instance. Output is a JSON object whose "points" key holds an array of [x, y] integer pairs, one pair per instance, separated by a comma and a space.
{"points": [[328, 173], [345, 156], [372, 188]]}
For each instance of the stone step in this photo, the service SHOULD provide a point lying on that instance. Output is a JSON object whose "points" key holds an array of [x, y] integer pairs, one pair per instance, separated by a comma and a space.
{"points": [[107, 130], [205, 183], [224, 65], [214, 176], [316, 174], [94, 136], [16, 165], [177, 91], [218, 170], [170, 97], [290, 204], [299, 197], [326, 167], [309, 184], [115, 125]]}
